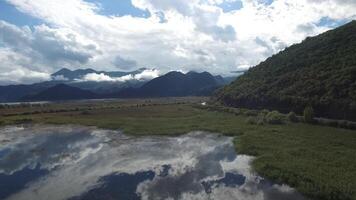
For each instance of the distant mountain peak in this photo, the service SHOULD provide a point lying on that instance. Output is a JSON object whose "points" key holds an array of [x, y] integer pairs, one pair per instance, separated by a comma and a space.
{"points": [[63, 70], [175, 83]]}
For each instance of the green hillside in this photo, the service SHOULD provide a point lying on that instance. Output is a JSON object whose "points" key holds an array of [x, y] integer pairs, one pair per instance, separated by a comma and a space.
{"points": [[320, 71]]}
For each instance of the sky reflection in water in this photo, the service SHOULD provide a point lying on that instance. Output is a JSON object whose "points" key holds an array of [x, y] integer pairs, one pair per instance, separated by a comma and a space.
{"points": [[77, 163]]}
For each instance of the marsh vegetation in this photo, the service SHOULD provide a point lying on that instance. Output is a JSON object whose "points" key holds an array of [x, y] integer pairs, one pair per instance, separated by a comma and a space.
{"points": [[316, 159]]}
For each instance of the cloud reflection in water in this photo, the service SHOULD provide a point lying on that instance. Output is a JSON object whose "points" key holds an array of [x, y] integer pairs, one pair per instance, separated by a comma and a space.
{"points": [[87, 163]]}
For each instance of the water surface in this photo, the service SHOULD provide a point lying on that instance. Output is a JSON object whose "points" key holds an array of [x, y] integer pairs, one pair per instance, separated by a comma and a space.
{"points": [[84, 163]]}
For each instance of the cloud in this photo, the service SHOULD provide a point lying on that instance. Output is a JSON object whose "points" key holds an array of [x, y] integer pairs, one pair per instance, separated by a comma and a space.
{"points": [[45, 46], [145, 75], [59, 78], [122, 63], [243, 36], [14, 70], [22, 75], [62, 45], [97, 77]]}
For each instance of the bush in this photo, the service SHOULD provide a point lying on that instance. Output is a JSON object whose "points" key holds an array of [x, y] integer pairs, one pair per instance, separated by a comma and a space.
{"points": [[251, 120], [251, 112], [274, 117], [292, 117], [309, 114]]}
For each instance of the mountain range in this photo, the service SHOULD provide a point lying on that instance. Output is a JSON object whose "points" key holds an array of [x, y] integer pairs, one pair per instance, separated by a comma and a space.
{"points": [[176, 84], [319, 72], [61, 92], [71, 84], [11, 93]]}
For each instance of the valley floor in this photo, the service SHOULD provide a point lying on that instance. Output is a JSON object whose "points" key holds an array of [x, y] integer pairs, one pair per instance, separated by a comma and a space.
{"points": [[319, 161]]}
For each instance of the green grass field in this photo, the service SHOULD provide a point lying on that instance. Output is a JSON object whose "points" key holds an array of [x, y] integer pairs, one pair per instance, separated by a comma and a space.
{"points": [[319, 161]]}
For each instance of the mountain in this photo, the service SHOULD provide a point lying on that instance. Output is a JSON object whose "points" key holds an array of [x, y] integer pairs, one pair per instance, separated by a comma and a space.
{"points": [[69, 75], [320, 71], [170, 84], [61, 92], [11, 93], [176, 84], [106, 87], [101, 87]]}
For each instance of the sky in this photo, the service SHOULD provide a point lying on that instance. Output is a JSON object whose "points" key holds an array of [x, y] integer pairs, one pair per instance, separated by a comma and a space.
{"points": [[39, 37]]}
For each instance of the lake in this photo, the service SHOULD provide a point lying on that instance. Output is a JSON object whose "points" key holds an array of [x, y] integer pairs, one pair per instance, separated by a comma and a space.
{"points": [[76, 163]]}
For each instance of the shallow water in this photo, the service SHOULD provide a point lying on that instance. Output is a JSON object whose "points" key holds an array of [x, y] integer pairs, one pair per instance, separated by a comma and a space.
{"points": [[74, 162]]}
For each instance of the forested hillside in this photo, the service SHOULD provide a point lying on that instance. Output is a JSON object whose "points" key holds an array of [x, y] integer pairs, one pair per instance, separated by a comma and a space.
{"points": [[320, 71]]}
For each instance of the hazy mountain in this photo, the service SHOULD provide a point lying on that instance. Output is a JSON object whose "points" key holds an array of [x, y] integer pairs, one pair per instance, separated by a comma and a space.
{"points": [[320, 71], [170, 84], [16, 92], [106, 87], [176, 84], [61, 92]]}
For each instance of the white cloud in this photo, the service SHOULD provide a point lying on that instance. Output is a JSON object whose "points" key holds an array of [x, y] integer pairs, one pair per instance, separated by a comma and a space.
{"points": [[145, 75], [14, 70], [59, 78], [47, 46], [23, 75], [229, 40], [97, 77]]}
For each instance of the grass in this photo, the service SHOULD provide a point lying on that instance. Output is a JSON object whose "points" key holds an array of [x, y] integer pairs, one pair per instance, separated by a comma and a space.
{"points": [[319, 161]]}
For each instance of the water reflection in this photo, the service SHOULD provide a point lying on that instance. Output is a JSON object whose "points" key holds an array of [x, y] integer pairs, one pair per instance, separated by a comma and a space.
{"points": [[73, 162]]}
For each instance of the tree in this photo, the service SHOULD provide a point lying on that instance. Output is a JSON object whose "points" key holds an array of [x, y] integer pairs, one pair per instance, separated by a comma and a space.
{"points": [[309, 114]]}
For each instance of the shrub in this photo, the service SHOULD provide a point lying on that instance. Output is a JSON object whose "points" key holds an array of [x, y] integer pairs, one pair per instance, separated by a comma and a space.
{"points": [[292, 117], [251, 112], [251, 120], [274, 117], [309, 114]]}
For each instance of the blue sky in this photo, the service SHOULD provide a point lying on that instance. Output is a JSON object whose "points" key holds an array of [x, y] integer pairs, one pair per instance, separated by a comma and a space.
{"points": [[41, 36], [120, 8], [10, 14]]}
